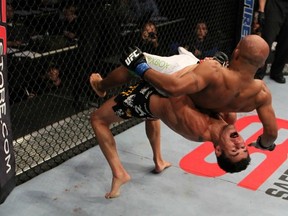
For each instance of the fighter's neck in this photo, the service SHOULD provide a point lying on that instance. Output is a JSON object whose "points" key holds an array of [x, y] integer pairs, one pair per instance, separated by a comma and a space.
{"points": [[244, 70], [216, 128]]}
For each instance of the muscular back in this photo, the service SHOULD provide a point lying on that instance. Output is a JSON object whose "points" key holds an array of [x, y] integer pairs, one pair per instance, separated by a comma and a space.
{"points": [[228, 91]]}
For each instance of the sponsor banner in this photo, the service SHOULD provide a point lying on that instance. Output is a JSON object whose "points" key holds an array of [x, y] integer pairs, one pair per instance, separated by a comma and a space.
{"points": [[247, 18], [196, 161], [7, 159]]}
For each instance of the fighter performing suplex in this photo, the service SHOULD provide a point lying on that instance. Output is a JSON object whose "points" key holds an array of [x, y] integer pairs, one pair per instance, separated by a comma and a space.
{"points": [[221, 89], [181, 115]]}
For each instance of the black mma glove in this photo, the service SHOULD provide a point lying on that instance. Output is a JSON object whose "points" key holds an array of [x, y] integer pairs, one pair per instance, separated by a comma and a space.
{"points": [[134, 60], [261, 18], [222, 58], [259, 145]]}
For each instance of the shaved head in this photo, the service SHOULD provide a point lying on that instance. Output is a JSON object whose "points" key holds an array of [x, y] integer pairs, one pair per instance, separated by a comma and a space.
{"points": [[254, 50]]}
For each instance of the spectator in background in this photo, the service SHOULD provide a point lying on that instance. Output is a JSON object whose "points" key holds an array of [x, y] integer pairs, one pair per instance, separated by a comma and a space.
{"points": [[52, 77], [44, 83], [17, 34], [34, 84], [70, 28], [138, 11], [17, 37], [273, 19], [144, 10], [201, 44], [149, 41], [124, 11]]}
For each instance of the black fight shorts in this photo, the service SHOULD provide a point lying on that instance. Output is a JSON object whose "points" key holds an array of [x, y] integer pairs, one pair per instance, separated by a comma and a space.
{"points": [[134, 101]]}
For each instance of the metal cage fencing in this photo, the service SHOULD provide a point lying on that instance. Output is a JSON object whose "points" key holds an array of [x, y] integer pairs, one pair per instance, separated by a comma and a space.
{"points": [[54, 46]]}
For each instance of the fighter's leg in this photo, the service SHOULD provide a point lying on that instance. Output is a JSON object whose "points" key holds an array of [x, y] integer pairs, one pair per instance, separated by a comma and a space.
{"points": [[100, 121], [121, 75], [117, 77], [153, 132]]}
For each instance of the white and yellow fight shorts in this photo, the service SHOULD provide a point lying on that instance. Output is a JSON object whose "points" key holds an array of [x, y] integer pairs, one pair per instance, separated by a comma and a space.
{"points": [[171, 64]]}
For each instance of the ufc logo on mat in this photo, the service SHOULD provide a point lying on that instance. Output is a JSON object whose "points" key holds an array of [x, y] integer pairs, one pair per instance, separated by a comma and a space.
{"points": [[195, 162], [131, 57]]}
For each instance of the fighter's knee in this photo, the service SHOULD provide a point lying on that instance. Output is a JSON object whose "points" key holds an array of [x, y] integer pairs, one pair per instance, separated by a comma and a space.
{"points": [[95, 117]]}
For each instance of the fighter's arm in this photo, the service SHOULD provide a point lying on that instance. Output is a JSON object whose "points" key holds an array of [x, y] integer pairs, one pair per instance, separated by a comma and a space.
{"points": [[267, 116], [262, 4], [187, 82]]}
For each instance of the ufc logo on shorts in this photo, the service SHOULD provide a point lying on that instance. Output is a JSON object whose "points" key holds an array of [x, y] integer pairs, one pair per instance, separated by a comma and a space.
{"points": [[195, 162], [131, 57]]}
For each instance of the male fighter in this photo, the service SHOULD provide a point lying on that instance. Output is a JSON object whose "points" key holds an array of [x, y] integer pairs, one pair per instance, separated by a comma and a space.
{"points": [[168, 65], [178, 113], [194, 131], [102, 118], [220, 89]]}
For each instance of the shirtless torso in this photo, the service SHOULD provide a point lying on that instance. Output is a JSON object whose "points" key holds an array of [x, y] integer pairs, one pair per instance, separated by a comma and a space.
{"points": [[220, 89], [228, 91], [180, 114]]}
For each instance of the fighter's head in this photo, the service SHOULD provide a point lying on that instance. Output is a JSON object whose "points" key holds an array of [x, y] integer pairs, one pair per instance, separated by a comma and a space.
{"points": [[251, 50], [231, 151]]}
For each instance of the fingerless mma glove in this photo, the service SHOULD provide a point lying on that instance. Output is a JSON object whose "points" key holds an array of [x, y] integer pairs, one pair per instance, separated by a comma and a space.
{"points": [[222, 58], [269, 148], [135, 61], [261, 18]]}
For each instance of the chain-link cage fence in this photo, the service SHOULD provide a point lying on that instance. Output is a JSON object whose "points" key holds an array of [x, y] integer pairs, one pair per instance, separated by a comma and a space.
{"points": [[54, 46]]}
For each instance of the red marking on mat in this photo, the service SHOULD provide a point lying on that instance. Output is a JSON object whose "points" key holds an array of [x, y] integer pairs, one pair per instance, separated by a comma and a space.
{"points": [[195, 162]]}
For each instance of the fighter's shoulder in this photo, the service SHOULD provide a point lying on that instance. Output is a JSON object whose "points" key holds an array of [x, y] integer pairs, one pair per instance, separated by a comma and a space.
{"points": [[263, 92], [210, 62], [209, 67], [263, 87]]}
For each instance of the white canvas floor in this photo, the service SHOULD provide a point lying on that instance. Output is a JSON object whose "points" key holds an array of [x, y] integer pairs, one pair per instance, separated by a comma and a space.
{"points": [[77, 187]]}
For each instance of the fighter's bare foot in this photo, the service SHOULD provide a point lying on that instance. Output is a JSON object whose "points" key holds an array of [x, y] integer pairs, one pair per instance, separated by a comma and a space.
{"points": [[116, 184], [95, 79], [160, 167]]}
